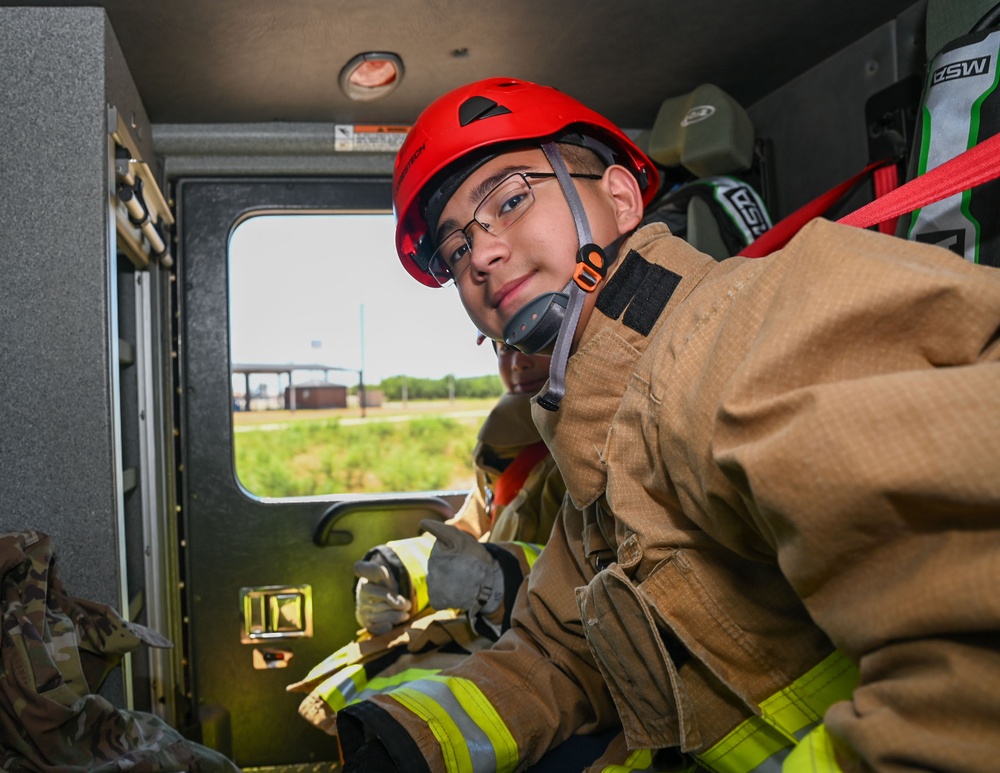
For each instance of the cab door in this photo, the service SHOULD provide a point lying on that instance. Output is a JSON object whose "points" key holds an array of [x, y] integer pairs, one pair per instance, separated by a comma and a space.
{"points": [[268, 581]]}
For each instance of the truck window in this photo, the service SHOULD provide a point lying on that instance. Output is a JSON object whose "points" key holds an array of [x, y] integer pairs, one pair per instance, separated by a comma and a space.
{"points": [[347, 376]]}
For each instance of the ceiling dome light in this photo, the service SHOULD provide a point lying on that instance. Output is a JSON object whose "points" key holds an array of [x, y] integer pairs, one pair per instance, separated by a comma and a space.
{"points": [[371, 76]]}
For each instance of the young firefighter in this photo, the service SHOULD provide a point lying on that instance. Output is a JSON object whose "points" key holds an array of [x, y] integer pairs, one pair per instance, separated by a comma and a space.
{"points": [[517, 495], [512, 508], [512, 511], [789, 469]]}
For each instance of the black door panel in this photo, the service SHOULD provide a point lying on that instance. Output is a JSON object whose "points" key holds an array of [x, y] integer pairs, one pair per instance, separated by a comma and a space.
{"points": [[234, 542]]}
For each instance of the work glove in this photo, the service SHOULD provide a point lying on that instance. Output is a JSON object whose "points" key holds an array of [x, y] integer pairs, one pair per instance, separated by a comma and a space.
{"points": [[378, 605], [461, 572]]}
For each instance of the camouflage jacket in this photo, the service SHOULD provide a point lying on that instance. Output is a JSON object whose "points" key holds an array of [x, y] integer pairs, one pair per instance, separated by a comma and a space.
{"points": [[55, 652]]}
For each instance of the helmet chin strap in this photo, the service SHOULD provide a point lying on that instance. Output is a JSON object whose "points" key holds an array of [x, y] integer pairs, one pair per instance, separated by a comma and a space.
{"points": [[556, 315]]}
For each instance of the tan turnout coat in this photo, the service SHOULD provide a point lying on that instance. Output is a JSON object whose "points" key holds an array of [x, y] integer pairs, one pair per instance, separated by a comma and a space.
{"points": [[802, 454]]}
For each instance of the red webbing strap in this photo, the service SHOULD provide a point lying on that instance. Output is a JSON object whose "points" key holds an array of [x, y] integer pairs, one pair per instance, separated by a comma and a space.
{"points": [[975, 166], [777, 236], [512, 479], [886, 179]]}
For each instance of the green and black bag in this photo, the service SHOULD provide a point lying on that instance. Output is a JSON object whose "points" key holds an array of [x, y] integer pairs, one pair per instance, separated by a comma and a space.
{"points": [[960, 107]]}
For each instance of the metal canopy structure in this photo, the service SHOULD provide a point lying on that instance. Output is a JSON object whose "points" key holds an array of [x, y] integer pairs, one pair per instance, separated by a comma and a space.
{"points": [[287, 369]]}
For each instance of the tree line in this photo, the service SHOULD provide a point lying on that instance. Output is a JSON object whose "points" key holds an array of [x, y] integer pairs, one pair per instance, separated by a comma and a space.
{"points": [[407, 387]]}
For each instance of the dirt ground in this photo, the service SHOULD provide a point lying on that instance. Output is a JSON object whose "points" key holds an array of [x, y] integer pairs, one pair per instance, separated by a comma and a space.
{"points": [[387, 409]]}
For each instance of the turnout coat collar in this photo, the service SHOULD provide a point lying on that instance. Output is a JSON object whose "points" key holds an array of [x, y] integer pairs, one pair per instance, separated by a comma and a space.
{"points": [[599, 372]]}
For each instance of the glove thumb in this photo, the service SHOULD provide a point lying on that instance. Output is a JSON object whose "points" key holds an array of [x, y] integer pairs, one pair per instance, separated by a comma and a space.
{"points": [[373, 572], [449, 538], [461, 572]]}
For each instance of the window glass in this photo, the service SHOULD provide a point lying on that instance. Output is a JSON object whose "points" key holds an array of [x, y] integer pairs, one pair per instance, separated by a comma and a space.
{"points": [[347, 375]]}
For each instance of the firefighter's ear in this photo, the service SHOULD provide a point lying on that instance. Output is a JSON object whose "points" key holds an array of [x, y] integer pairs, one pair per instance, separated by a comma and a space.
{"points": [[626, 196]]}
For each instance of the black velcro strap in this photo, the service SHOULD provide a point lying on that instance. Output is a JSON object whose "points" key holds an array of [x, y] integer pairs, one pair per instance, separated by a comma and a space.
{"points": [[639, 289], [512, 579], [623, 285], [374, 667], [386, 556], [368, 734], [651, 299]]}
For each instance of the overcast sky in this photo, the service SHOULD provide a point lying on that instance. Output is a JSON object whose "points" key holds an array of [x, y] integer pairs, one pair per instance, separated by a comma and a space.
{"points": [[298, 285]]}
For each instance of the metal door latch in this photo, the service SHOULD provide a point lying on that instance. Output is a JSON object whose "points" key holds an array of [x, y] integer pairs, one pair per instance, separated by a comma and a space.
{"points": [[276, 612]]}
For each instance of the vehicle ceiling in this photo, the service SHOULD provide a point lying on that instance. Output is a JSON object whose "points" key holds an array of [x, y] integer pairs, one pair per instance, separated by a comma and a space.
{"points": [[220, 61]]}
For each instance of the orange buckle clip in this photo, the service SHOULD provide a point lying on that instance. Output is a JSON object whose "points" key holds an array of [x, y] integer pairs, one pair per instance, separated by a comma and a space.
{"points": [[587, 278], [590, 268]]}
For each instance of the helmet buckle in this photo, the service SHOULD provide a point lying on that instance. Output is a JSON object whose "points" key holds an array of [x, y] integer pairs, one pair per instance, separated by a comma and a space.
{"points": [[591, 267]]}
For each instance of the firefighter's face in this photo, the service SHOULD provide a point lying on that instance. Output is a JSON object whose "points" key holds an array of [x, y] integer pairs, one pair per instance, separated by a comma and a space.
{"points": [[522, 373], [537, 253]]}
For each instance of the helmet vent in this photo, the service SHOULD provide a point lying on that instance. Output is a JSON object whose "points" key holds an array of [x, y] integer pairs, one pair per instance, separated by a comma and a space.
{"points": [[477, 108]]}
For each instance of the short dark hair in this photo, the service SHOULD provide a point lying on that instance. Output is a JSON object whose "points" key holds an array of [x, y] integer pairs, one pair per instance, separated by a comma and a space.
{"points": [[581, 160]]}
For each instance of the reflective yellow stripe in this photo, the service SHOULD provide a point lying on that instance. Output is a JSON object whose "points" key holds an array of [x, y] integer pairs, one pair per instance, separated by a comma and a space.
{"points": [[334, 661], [472, 735], [414, 553], [382, 684], [637, 761], [761, 743], [448, 734], [340, 689], [813, 755], [747, 748], [351, 684], [473, 700], [804, 702], [531, 552]]}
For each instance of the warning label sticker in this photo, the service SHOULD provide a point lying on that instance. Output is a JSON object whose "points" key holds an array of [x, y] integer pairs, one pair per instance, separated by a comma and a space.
{"points": [[369, 138]]}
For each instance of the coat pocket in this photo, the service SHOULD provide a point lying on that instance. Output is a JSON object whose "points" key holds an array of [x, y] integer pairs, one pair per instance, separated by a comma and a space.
{"points": [[654, 707]]}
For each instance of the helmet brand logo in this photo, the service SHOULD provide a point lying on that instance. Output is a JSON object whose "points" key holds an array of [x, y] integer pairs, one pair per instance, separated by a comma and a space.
{"points": [[696, 114], [406, 167], [477, 108]]}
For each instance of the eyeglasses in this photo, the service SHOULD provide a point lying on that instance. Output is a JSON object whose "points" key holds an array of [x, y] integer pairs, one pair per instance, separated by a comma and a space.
{"points": [[499, 210]]}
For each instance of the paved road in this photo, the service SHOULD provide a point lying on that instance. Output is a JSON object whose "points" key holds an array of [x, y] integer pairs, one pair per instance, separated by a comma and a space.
{"points": [[392, 418]]}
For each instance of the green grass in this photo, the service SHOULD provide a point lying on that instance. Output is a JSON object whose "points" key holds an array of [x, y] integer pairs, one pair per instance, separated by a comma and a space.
{"points": [[325, 456]]}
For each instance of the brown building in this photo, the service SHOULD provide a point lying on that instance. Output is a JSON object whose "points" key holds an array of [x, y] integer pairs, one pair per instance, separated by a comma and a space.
{"points": [[317, 394]]}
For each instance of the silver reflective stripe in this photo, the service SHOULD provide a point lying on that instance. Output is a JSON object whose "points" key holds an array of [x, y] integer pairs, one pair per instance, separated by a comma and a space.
{"points": [[773, 763], [800, 734], [735, 764], [958, 80], [341, 689], [380, 685], [480, 748]]}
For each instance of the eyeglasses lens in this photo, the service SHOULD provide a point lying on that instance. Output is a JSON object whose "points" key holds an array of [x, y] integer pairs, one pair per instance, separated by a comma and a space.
{"points": [[499, 210]]}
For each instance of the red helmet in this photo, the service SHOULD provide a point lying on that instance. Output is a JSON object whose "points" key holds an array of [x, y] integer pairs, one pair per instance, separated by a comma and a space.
{"points": [[454, 129]]}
